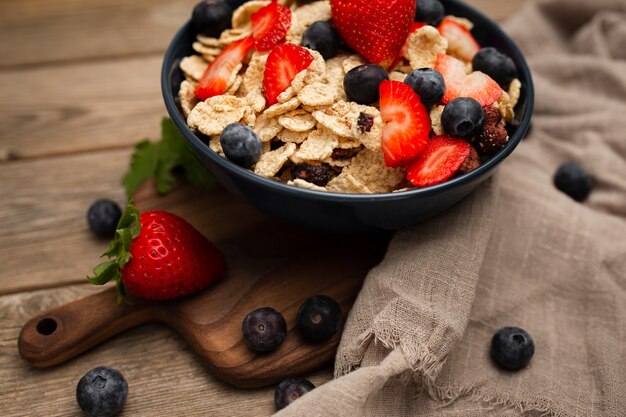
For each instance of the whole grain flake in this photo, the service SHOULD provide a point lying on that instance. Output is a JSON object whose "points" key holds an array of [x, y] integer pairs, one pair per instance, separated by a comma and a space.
{"points": [[210, 117], [271, 162]]}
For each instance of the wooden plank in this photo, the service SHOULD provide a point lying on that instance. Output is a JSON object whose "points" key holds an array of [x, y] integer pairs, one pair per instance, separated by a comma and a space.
{"points": [[41, 31], [164, 376]]}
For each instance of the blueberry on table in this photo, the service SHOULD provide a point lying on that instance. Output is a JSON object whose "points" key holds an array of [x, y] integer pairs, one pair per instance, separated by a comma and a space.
{"points": [[573, 180], [496, 65], [462, 117], [362, 83], [241, 145], [290, 390], [512, 348], [101, 392], [428, 84], [322, 37], [430, 12], [264, 329], [103, 216], [211, 17], [319, 318]]}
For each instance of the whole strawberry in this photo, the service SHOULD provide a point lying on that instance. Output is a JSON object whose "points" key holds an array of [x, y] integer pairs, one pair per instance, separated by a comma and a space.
{"points": [[377, 29], [158, 256]]}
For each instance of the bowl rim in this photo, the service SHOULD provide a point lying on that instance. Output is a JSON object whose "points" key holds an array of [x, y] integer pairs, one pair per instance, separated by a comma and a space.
{"points": [[283, 188]]}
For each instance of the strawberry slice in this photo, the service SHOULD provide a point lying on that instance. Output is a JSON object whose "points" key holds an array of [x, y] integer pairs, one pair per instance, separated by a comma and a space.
{"points": [[464, 43], [476, 85], [270, 25], [215, 79], [407, 123], [441, 159], [283, 64]]}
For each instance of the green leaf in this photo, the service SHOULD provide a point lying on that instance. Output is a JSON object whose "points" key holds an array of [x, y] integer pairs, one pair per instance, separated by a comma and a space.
{"points": [[104, 273], [129, 217], [142, 166], [112, 250], [122, 294], [125, 238]]}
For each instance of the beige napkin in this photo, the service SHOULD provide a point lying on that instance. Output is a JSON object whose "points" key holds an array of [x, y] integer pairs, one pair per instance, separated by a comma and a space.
{"points": [[517, 252]]}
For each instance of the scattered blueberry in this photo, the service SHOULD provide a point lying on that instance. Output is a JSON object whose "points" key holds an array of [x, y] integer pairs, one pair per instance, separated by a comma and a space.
{"points": [[264, 329], [319, 318], [241, 145], [322, 37], [512, 348], [290, 390], [103, 216], [428, 84], [101, 392], [361, 83], [573, 180], [430, 12], [462, 117], [496, 65], [211, 17]]}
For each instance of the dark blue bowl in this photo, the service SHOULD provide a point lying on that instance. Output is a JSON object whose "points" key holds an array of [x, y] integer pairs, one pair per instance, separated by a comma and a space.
{"points": [[350, 212]]}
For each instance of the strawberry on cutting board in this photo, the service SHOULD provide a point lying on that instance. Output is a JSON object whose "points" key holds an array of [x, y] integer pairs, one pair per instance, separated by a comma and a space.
{"points": [[270, 25], [407, 123], [465, 45], [158, 256], [476, 85], [282, 65], [377, 29], [215, 79], [441, 159]]}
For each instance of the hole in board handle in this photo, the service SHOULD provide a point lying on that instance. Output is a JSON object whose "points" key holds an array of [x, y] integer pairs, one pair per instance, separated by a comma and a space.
{"points": [[46, 326]]}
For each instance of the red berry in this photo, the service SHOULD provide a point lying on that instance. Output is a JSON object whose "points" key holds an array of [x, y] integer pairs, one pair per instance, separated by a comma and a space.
{"points": [[441, 159], [283, 64], [465, 44], [476, 85], [270, 25]]}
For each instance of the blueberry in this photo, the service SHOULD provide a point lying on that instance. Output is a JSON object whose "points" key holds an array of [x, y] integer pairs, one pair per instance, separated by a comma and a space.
{"points": [[430, 12], [234, 4], [264, 329], [361, 83], [290, 390], [241, 145], [101, 392], [428, 84], [496, 65], [573, 180], [319, 318], [322, 37], [462, 117], [512, 348], [211, 17], [103, 216]]}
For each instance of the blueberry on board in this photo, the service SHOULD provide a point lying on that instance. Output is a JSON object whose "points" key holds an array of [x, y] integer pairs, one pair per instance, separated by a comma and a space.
{"points": [[430, 12], [101, 392], [241, 145], [512, 348], [573, 180], [211, 17], [322, 37], [496, 65], [264, 329], [290, 390], [362, 83], [319, 318], [428, 84], [462, 117], [103, 216]]}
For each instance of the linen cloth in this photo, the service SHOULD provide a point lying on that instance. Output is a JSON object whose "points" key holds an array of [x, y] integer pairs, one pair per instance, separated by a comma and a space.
{"points": [[516, 253]]}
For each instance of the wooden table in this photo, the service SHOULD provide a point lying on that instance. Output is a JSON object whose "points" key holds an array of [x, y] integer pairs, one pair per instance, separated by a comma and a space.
{"points": [[79, 85]]}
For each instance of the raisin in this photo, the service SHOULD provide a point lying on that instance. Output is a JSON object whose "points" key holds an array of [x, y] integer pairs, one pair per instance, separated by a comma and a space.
{"points": [[316, 174], [471, 163], [493, 135], [344, 153], [365, 122]]}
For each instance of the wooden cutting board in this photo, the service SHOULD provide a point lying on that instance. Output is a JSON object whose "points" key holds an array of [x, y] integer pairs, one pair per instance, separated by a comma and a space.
{"points": [[270, 263]]}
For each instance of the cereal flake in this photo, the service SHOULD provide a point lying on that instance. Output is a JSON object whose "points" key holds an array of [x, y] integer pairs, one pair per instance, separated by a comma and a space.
{"points": [[287, 136], [435, 119], [317, 95], [266, 127], [352, 62], [369, 168], [241, 16], [271, 162], [282, 108], [346, 183], [424, 46], [297, 121], [300, 183], [317, 147], [210, 117], [193, 66], [187, 97]]}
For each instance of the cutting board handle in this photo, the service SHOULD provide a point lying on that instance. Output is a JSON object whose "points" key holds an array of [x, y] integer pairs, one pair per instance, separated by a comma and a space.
{"points": [[62, 333]]}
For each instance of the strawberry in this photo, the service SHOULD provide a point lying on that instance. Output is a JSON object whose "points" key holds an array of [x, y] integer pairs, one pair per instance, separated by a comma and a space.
{"points": [[476, 85], [407, 123], [377, 29], [282, 65], [215, 79], [441, 159], [270, 25], [158, 256], [465, 44]]}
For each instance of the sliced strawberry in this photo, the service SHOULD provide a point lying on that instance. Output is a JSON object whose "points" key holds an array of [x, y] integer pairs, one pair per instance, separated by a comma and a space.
{"points": [[464, 43], [215, 79], [407, 123], [283, 64], [441, 159], [270, 25], [476, 85]]}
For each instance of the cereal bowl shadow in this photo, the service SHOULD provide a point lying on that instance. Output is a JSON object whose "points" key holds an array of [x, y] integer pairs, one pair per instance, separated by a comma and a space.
{"points": [[350, 212]]}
